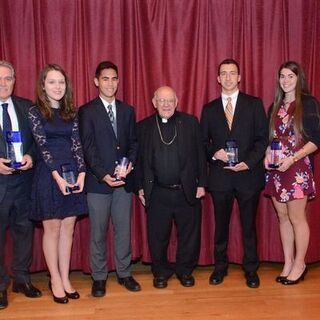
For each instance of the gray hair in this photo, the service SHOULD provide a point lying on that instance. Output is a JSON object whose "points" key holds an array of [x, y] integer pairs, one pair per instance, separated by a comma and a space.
{"points": [[8, 65]]}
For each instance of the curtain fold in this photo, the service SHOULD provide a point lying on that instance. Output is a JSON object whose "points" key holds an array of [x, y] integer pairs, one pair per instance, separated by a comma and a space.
{"points": [[175, 42]]}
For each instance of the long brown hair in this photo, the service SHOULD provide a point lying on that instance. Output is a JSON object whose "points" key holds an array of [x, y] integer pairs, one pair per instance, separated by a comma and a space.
{"points": [[67, 109], [301, 89]]}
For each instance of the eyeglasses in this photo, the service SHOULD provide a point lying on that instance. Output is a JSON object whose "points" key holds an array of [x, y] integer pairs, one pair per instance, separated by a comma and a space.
{"points": [[166, 101]]}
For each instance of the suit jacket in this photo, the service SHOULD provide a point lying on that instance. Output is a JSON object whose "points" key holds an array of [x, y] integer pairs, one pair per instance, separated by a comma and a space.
{"points": [[249, 129], [24, 178], [191, 155], [101, 148]]}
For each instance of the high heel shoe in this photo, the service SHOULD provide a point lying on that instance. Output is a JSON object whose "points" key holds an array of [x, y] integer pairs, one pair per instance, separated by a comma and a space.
{"points": [[72, 295], [288, 282], [280, 279], [62, 300]]}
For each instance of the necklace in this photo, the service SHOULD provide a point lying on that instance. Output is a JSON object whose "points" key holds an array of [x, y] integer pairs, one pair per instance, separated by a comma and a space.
{"points": [[160, 134]]}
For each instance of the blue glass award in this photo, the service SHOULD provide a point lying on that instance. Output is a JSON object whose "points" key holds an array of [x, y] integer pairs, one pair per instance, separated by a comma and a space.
{"points": [[69, 175], [275, 154], [232, 152], [14, 148], [121, 171]]}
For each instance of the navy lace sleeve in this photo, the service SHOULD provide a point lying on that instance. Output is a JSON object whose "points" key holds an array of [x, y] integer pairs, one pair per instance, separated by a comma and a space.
{"points": [[39, 135], [77, 147]]}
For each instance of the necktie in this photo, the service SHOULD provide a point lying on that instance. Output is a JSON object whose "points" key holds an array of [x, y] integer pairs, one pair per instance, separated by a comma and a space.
{"points": [[111, 117], [229, 112], [6, 121]]}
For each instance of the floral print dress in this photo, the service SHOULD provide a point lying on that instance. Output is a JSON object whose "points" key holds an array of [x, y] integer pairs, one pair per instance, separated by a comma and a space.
{"points": [[297, 181]]}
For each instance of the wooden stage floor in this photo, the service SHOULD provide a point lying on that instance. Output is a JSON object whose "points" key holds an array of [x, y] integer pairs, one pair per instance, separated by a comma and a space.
{"points": [[232, 300]]}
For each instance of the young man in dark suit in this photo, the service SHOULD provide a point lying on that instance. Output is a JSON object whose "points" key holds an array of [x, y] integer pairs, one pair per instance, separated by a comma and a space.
{"points": [[108, 133], [15, 187], [171, 177], [240, 117]]}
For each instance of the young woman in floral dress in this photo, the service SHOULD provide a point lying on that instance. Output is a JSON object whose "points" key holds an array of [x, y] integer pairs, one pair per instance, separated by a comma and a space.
{"points": [[295, 122]]}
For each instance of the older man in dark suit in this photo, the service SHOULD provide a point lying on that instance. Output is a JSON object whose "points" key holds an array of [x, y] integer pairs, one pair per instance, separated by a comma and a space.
{"points": [[171, 176], [108, 133], [240, 118], [15, 186]]}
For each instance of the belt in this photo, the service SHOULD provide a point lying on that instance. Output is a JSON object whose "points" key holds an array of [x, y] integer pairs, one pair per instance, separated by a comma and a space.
{"points": [[169, 186]]}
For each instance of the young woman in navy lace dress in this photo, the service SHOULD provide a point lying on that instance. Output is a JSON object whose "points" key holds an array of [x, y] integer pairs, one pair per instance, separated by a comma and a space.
{"points": [[295, 122], [54, 125]]}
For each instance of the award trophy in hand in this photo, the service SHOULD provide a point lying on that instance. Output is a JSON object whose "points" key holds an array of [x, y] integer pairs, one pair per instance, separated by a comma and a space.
{"points": [[121, 169], [275, 154], [232, 152], [14, 148], [69, 175]]}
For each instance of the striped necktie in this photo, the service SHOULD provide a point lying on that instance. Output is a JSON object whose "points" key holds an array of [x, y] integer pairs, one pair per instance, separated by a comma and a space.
{"points": [[111, 117], [229, 112]]}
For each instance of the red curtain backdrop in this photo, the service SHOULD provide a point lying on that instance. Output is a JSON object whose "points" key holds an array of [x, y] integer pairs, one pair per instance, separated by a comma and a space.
{"points": [[175, 42]]}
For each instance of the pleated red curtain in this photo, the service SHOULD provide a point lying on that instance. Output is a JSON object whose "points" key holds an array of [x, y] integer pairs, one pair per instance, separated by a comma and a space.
{"points": [[175, 42]]}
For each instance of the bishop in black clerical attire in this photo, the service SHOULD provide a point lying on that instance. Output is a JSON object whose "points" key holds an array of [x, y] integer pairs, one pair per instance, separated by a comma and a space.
{"points": [[171, 176]]}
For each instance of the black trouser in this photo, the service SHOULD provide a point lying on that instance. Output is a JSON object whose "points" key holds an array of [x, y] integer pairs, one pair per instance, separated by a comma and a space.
{"points": [[168, 206], [14, 212], [223, 204]]}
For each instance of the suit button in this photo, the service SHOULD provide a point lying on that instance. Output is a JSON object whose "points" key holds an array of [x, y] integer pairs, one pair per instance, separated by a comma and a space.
{"points": [[118, 148]]}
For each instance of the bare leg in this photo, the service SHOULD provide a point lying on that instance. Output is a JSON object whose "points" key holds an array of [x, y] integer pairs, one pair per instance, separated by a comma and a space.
{"points": [[287, 236], [50, 244], [301, 229], [65, 245]]}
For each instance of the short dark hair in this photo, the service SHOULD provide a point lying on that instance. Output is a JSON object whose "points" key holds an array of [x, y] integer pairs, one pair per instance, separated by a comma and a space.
{"points": [[229, 61], [105, 65]]}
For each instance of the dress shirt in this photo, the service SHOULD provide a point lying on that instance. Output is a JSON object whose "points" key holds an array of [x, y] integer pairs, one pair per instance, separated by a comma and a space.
{"points": [[234, 98], [113, 104]]}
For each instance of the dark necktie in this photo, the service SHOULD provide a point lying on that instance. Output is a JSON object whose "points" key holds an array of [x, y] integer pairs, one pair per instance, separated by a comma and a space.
{"points": [[111, 117], [6, 121]]}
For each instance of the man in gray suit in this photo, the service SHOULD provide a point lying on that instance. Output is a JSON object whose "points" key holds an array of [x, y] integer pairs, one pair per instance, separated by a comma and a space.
{"points": [[15, 186], [107, 128]]}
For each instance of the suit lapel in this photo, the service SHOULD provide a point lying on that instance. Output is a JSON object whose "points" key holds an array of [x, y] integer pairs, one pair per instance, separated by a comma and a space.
{"points": [[238, 111], [221, 114], [3, 146], [119, 118]]}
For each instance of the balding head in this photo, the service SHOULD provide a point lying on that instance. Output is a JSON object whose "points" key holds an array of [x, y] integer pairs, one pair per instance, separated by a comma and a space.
{"points": [[165, 101]]}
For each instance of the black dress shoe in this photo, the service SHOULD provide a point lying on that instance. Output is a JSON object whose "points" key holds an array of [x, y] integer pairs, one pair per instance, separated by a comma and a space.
{"points": [[3, 299], [217, 277], [289, 282], [72, 295], [160, 282], [280, 279], [27, 289], [186, 280], [61, 300], [253, 280], [130, 283], [98, 288]]}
